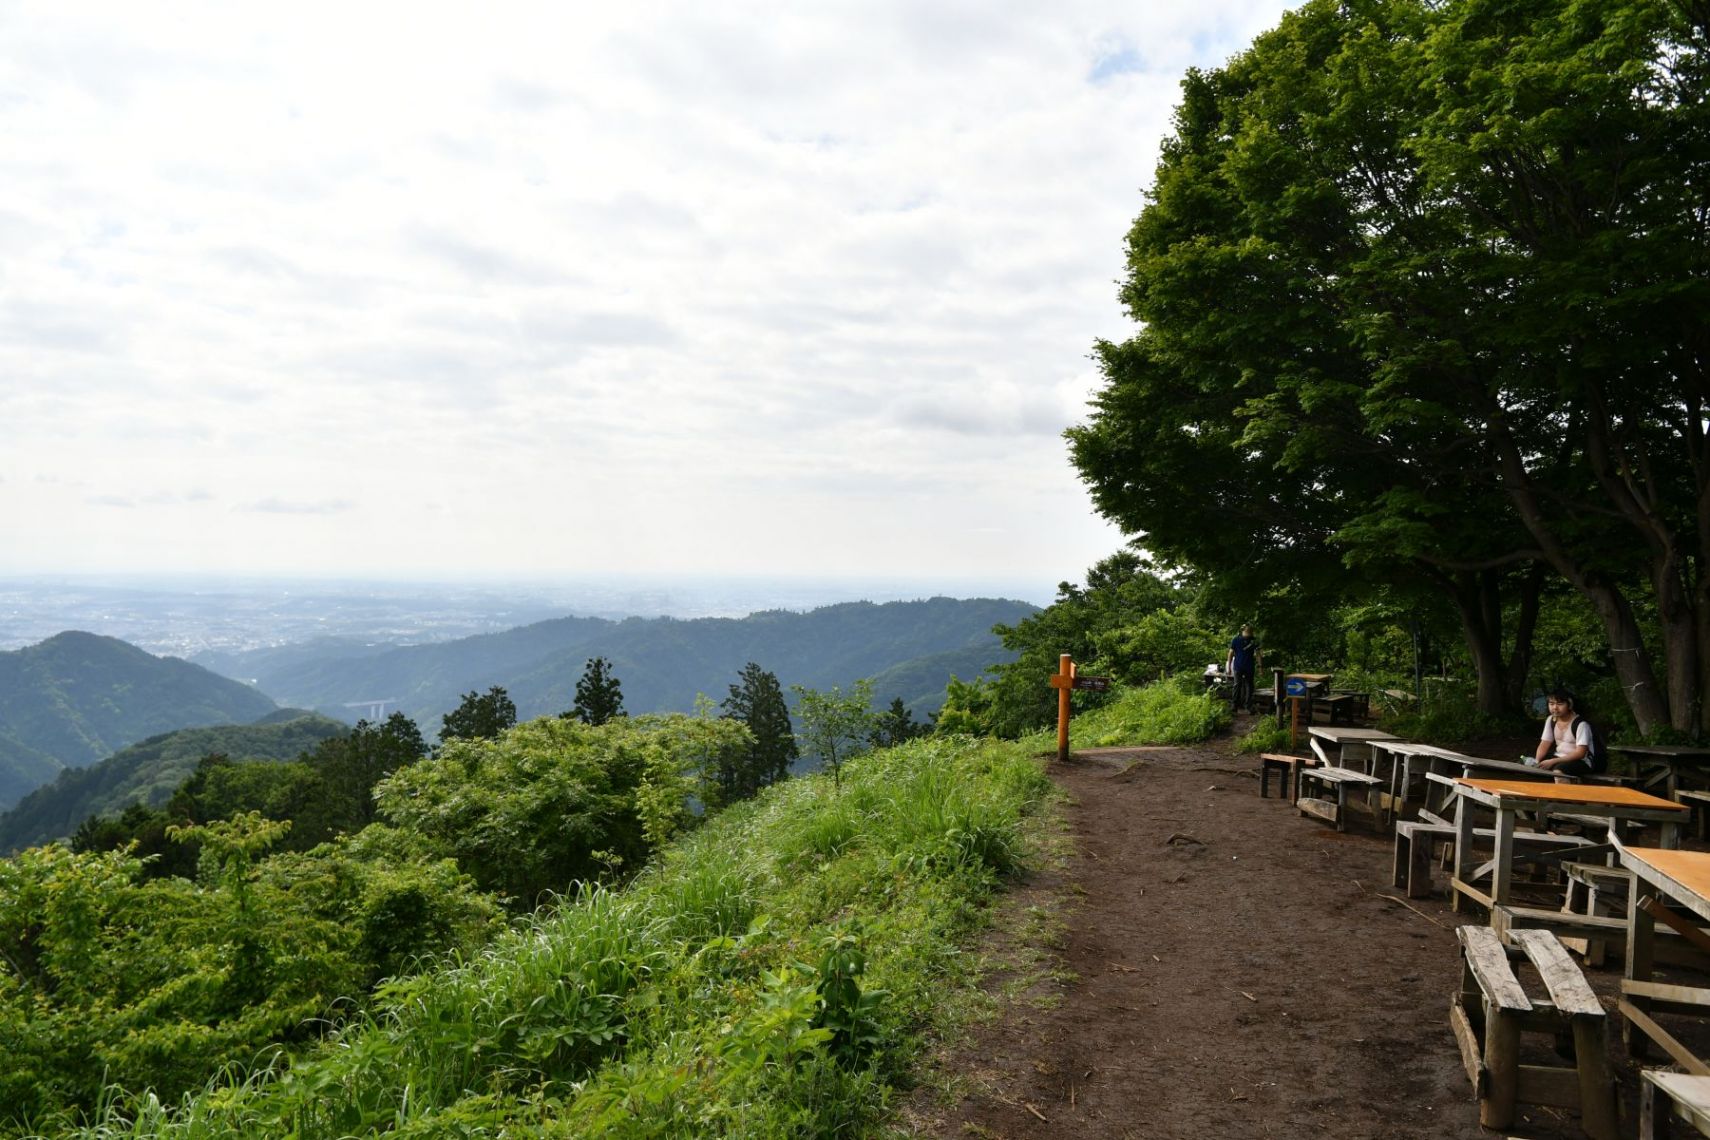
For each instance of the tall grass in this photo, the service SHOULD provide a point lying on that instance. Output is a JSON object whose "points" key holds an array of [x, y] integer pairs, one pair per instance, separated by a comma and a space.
{"points": [[1176, 710], [769, 976]]}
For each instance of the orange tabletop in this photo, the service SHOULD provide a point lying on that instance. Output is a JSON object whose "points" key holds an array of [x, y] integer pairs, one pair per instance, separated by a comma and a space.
{"points": [[1607, 795], [1687, 869]]}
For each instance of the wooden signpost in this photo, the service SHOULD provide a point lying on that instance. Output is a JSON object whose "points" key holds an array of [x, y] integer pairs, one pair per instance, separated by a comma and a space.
{"points": [[1064, 680]]}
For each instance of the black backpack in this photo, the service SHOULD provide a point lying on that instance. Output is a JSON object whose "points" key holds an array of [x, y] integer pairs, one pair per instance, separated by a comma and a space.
{"points": [[1596, 756]]}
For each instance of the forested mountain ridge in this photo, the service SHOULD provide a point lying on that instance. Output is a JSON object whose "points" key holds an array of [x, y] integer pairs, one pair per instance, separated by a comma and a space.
{"points": [[662, 662], [148, 771], [77, 697]]}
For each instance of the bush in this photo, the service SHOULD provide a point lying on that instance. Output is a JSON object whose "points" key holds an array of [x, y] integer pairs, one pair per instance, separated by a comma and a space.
{"points": [[1173, 711], [1266, 735]]}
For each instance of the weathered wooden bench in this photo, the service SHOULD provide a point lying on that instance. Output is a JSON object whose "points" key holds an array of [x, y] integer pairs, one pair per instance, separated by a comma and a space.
{"points": [[1337, 782], [1287, 768], [1415, 841], [1699, 802], [1492, 1010], [1682, 1094]]}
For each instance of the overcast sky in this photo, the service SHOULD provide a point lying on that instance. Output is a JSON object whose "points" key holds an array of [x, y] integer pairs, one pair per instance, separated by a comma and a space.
{"points": [[511, 290]]}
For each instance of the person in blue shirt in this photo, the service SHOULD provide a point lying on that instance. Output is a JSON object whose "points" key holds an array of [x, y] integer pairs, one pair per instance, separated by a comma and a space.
{"points": [[1244, 659]]}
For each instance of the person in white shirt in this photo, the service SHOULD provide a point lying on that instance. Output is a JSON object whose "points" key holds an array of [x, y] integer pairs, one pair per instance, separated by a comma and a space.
{"points": [[1567, 745]]}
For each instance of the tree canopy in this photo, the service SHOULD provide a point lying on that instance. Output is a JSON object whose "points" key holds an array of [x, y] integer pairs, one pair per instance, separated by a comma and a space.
{"points": [[1422, 290]]}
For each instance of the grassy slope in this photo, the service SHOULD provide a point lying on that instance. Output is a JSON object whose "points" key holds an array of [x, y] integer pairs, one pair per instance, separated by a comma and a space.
{"points": [[690, 1003]]}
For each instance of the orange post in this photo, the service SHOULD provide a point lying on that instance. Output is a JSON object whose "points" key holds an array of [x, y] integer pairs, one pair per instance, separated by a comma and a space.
{"points": [[1063, 682]]}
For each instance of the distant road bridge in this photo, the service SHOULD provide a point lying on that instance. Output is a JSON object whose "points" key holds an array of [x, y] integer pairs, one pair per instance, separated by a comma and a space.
{"points": [[376, 708]]}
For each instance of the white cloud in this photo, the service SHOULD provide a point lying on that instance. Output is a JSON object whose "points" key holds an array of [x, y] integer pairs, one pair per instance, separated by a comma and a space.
{"points": [[659, 287]]}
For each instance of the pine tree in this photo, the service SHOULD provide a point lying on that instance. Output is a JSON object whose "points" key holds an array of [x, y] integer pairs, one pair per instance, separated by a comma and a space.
{"points": [[896, 725], [599, 696], [757, 701]]}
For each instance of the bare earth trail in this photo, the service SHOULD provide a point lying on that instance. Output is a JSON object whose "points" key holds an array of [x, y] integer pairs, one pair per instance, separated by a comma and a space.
{"points": [[1226, 968]]}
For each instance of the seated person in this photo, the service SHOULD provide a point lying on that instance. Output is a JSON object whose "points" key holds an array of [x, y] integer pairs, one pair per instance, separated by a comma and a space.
{"points": [[1568, 746]]}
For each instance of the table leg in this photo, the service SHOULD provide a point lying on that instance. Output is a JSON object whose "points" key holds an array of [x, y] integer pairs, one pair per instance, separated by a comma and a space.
{"points": [[1670, 835], [1641, 939], [1503, 874], [1463, 847]]}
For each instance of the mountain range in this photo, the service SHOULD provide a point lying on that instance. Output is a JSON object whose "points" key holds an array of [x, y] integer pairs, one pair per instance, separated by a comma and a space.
{"points": [[909, 648], [77, 697], [149, 771]]}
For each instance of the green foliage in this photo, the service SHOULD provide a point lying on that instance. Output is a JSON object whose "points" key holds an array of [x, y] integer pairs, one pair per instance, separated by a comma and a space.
{"points": [[1266, 735], [835, 725], [969, 709], [757, 702], [1158, 644], [679, 1006], [480, 716], [554, 802], [156, 984], [599, 696], [1176, 710], [1123, 610]]}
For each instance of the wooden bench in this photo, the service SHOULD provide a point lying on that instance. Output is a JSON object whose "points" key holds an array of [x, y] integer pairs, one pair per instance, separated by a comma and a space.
{"points": [[1683, 1095], [1699, 802], [1287, 768], [1340, 779], [1415, 840], [1491, 1011]]}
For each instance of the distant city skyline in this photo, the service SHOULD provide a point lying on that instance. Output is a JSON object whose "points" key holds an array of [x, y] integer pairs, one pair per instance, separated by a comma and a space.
{"points": [[551, 291]]}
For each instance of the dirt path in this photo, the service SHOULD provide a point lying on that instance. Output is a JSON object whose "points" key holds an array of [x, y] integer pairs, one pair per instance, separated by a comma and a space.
{"points": [[1225, 968]]}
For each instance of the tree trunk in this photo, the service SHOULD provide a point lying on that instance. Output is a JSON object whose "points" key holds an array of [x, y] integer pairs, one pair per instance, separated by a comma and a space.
{"points": [[1647, 701], [1525, 626], [1478, 600]]}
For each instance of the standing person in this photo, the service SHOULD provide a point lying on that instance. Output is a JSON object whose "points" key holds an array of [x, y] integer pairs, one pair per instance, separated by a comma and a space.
{"points": [[1244, 660], [1568, 745]]}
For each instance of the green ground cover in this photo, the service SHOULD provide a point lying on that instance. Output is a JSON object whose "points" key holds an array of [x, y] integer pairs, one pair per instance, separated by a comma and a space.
{"points": [[775, 973]]}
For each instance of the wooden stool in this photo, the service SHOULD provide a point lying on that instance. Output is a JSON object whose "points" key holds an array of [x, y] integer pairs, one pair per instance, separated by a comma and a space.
{"points": [[1492, 1010], [1287, 768], [1335, 781], [1687, 1096]]}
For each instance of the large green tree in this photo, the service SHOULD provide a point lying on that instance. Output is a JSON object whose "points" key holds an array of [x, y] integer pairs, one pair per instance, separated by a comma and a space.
{"points": [[1422, 288], [757, 701]]}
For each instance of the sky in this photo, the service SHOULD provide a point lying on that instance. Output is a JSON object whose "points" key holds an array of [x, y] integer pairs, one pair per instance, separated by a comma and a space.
{"points": [[515, 290]]}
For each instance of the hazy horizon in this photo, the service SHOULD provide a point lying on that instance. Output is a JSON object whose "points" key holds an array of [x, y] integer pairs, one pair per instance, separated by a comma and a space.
{"points": [[182, 615]]}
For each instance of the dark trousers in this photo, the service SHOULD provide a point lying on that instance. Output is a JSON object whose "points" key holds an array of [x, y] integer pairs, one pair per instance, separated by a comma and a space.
{"points": [[1243, 690]]}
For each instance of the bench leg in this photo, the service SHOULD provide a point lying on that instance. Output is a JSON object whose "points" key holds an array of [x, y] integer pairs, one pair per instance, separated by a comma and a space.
{"points": [[1402, 859], [1419, 868], [1596, 1081], [1502, 1062], [1651, 1125]]}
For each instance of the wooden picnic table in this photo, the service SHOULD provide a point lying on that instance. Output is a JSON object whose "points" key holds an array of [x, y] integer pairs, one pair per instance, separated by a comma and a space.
{"points": [[1444, 769], [1666, 761], [1351, 744], [1663, 877], [1509, 798]]}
